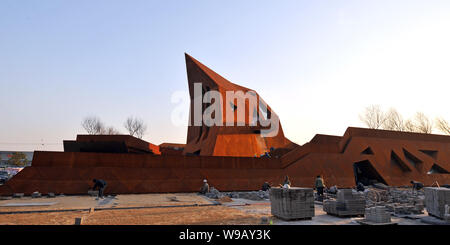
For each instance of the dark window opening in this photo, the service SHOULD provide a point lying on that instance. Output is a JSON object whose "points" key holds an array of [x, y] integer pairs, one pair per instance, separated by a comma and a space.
{"points": [[367, 151], [395, 160], [257, 131], [413, 160], [196, 153], [436, 169], [366, 173], [430, 153]]}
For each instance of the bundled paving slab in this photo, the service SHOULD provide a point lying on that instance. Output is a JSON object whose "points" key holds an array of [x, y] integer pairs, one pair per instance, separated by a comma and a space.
{"points": [[348, 203], [377, 214], [435, 200], [292, 203]]}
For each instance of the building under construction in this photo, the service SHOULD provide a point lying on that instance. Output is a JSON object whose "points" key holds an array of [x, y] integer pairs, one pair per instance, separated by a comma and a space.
{"points": [[234, 158]]}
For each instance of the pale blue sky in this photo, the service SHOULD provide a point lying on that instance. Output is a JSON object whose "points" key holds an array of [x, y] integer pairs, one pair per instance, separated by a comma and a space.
{"points": [[317, 63]]}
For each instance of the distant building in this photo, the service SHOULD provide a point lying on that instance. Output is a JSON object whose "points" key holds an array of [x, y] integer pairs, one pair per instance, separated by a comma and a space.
{"points": [[6, 155]]}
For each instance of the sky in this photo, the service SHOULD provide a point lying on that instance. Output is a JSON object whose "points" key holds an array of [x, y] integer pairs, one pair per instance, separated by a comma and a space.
{"points": [[318, 64]]}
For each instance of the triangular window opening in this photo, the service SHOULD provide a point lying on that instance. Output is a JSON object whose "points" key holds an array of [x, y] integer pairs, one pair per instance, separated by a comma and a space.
{"points": [[436, 169], [413, 160], [430, 153], [367, 151], [397, 161]]}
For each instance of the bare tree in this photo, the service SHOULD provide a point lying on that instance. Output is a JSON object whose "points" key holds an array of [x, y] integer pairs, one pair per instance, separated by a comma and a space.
{"points": [[393, 121], [423, 124], [443, 125], [93, 125], [409, 126], [135, 127], [373, 117], [110, 131]]}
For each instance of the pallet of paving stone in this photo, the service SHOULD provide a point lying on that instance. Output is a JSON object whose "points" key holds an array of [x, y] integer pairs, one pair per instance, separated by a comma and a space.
{"points": [[329, 206], [435, 200], [377, 214], [292, 204], [344, 194], [335, 208], [349, 203]]}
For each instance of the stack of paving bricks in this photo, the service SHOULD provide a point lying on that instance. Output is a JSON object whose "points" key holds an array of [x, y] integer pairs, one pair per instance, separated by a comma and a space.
{"points": [[377, 214], [293, 203], [348, 203], [435, 200]]}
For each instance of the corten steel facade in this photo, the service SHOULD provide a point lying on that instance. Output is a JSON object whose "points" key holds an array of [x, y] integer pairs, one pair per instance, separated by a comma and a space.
{"points": [[225, 156], [227, 141]]}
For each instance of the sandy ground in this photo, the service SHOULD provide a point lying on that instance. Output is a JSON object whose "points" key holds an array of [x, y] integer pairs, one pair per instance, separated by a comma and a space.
{"points": [[146, 209], [184, 209], [213, 215], [87, 202]]}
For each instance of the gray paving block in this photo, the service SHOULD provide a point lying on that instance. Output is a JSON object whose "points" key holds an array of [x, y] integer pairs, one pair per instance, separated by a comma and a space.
{"points": [[435, 200], [292, 203]]}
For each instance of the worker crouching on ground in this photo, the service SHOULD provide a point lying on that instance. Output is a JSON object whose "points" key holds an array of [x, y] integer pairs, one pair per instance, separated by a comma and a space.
{"points": [[101, 185], [320, 185], [416, 185], [360, 187], [333, 190], [205, 187]]}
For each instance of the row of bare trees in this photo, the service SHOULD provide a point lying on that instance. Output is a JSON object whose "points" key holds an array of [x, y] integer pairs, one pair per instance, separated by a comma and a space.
{"points": [[374, 117], [93, 125]]}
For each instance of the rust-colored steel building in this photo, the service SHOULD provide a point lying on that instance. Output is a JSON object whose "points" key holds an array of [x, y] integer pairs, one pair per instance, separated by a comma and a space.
{"points": [[230, 157]]}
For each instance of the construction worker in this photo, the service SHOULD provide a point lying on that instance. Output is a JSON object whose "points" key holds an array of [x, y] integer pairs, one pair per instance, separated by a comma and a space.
{"points": [[416, 185], [205, 187], [333, 190], [265, 186], [360, 187], [286, 181], [319, 185], [101, 185]]}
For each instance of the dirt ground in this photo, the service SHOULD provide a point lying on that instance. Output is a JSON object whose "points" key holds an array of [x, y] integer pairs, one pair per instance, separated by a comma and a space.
{"points": [[211, 215], [146, 209], [87, 202]]}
